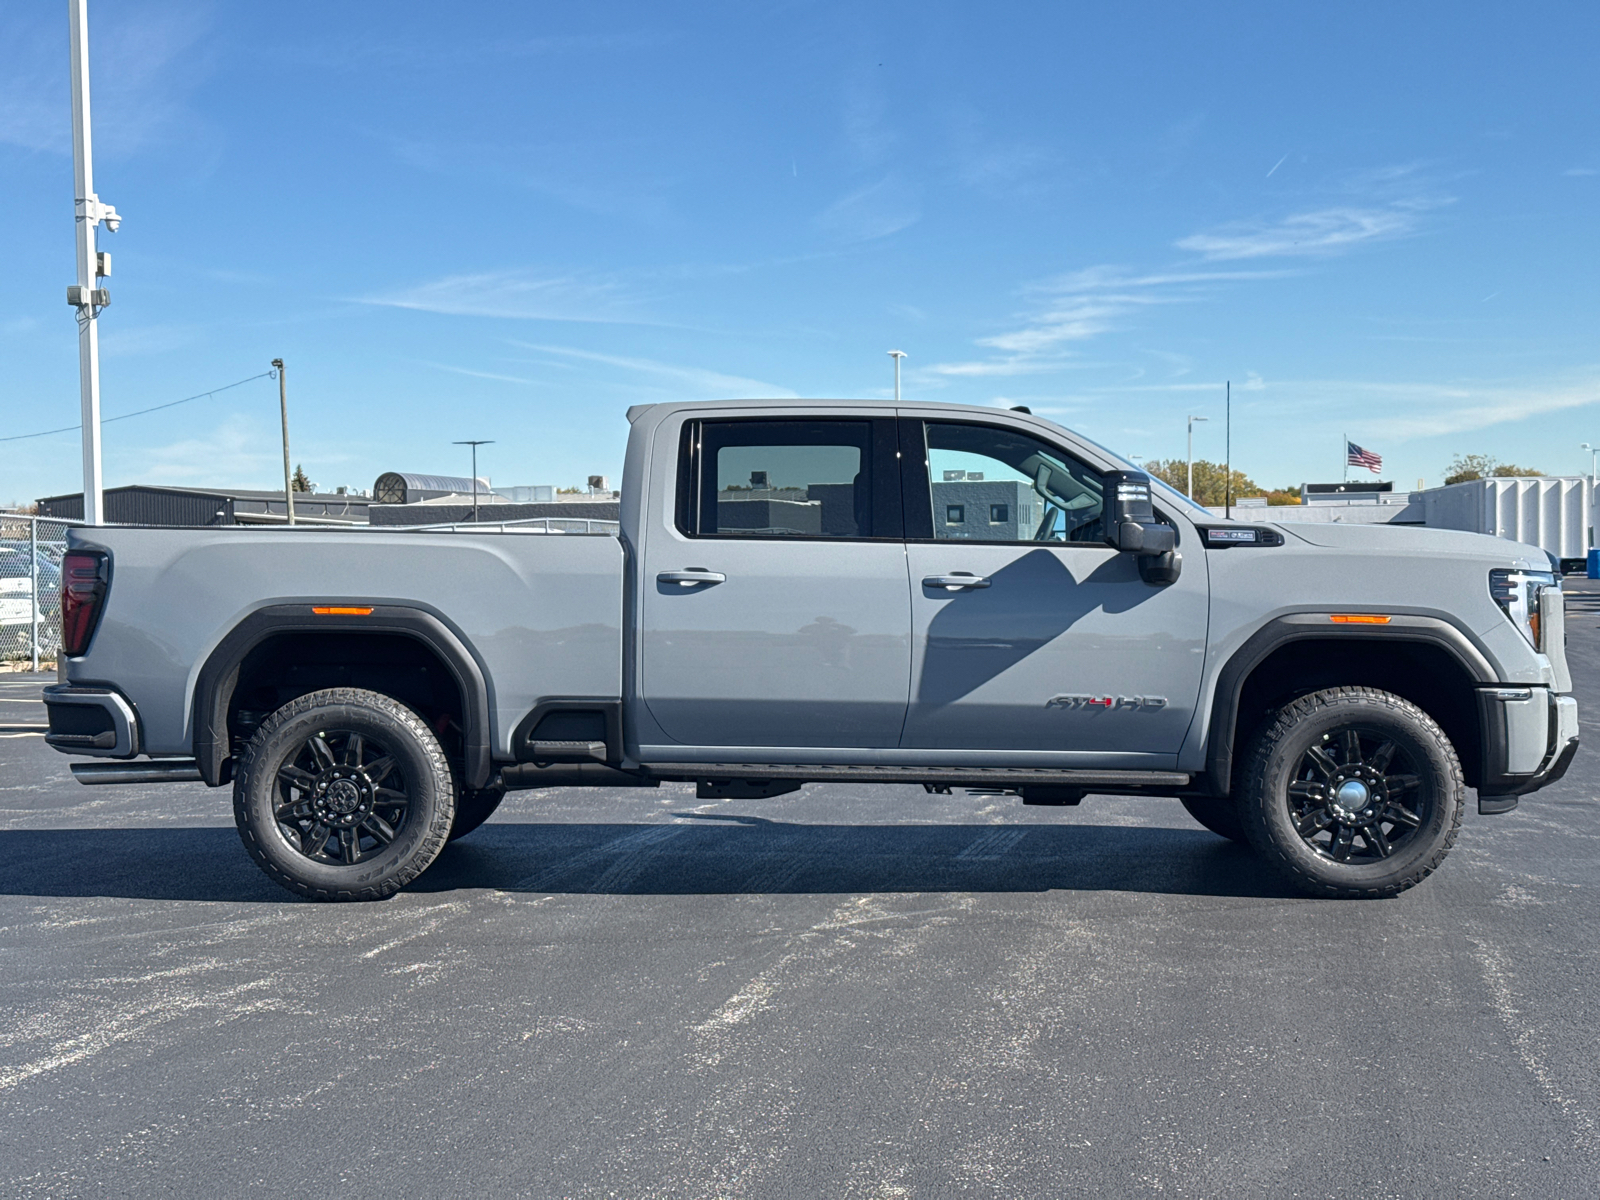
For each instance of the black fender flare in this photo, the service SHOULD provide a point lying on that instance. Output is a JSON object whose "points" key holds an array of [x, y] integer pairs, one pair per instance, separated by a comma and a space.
{"points": [[1305, 626], [213, 689]]}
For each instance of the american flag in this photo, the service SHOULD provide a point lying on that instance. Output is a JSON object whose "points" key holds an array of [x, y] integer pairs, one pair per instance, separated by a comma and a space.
{"points": [[1357, 457]]}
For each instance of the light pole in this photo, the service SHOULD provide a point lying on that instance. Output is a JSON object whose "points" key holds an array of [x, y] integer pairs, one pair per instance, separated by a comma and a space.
{"points": [[1594, 451], [1190, 477], [475, 446], [283, 412], [92, 265], [897, 355]]}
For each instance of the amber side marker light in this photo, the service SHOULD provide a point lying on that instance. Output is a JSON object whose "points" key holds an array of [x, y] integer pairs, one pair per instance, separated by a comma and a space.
{"points": [[1358, 619], [348, 611]]}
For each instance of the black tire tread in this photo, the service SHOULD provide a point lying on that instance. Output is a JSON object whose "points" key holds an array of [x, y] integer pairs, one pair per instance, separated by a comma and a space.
{"points": [[433, 841], [1286, 719]]}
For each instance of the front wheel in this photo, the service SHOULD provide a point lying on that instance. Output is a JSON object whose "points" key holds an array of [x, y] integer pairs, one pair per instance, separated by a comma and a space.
{"points": [[1352, 793], [344, 794]]}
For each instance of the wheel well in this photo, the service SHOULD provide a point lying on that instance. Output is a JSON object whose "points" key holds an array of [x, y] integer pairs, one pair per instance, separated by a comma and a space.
{"points": [[1427, 675], [296, 662]]}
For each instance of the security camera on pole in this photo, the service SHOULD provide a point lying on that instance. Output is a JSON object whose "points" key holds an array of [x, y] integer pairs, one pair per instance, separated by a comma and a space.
{"points": [[85, 295]]}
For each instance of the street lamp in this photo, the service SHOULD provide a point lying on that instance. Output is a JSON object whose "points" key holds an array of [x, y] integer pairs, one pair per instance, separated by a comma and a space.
{"points": [[1593, 452], [474, 446], [897, 355], [1190, 476]]}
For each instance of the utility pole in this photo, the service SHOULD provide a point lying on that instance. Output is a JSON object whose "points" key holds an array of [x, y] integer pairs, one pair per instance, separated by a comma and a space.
{"points": [[283, 410], [1227, 483], [1594, 451], [1192, 420], [92, 265], [475, 446], [897, 355]]}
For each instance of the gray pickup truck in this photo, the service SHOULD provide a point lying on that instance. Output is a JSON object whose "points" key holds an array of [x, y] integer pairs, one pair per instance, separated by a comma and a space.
{"points": [[819, 591]]}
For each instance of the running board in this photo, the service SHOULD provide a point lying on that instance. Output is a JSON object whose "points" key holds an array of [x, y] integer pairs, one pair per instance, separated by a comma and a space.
{"points": [[953, 776], [170, 770]]}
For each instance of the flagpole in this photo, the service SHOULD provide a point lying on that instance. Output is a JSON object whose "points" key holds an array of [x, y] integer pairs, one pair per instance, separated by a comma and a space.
{"points": [[1346, 456], [1227, 471]]}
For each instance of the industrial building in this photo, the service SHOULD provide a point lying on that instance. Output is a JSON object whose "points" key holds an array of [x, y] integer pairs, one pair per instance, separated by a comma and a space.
{"points": [[159, 504]]}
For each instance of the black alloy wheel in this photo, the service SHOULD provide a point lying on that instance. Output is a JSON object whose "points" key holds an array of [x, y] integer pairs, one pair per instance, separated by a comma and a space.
{"points": [[1351, 792], [344, 794], [1356, 796], [342, 797]]}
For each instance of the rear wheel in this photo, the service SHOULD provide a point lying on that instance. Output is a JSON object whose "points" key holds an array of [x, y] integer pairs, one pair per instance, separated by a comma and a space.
{"points": [[1352, 793], [1220, 814], [344, 794]]}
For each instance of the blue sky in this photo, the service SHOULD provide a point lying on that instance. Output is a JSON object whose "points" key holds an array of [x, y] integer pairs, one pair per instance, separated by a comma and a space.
{"points": [[513, 221]]}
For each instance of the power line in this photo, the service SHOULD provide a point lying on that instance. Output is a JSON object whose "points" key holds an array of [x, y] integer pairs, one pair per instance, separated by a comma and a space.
{"points": [[20, 437]]}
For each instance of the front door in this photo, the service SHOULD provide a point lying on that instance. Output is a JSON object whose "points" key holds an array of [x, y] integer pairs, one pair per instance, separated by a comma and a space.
{"points": [[774, 591], [1056, 643]]}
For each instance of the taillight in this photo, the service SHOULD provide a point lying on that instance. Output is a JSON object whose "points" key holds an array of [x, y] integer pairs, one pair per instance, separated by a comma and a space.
{"points": [[84, 579]]}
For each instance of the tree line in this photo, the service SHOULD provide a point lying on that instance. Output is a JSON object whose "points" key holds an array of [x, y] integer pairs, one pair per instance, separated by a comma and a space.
{"points": [[1210, 478]]}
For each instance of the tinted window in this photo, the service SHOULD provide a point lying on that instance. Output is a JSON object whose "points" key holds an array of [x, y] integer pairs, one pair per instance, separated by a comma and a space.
{"points": [[1030, 490], [781, 479]]}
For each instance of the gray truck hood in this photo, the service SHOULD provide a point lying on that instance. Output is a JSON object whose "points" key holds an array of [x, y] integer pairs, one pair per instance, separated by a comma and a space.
{"points": [[1410, 540]]}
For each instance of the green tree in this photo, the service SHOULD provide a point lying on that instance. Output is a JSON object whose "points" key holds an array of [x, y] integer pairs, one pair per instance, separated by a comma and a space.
{"points": [[1209, 480], [299, 482], [1467, 467]]}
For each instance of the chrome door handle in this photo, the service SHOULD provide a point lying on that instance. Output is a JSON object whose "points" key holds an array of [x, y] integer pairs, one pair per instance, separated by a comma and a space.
{"points": [[692, 576], [955, 582]]}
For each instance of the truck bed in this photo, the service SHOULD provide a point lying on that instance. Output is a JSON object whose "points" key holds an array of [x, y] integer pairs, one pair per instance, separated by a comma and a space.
{"points": [[542, 613]]}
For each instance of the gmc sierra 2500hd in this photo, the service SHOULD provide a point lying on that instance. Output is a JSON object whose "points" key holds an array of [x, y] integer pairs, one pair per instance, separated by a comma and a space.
{"points": [[809, 591]]}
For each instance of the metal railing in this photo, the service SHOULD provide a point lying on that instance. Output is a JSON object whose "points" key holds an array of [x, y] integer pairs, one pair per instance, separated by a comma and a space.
{"points": [[584, 525], [31, 549]]}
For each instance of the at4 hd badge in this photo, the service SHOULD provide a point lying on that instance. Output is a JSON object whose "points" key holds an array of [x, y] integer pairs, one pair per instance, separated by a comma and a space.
{"points": [[1109, 703]]}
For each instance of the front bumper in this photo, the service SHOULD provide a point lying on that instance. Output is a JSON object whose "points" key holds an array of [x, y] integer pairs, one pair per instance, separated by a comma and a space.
{"points": [[91, 720], [1530, 736]]}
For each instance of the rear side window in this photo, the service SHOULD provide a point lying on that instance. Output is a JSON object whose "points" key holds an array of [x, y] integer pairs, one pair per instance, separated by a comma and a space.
{"points": [[787, 479]]}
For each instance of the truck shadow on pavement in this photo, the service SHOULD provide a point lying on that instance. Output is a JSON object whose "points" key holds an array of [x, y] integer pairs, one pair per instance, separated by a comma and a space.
{"points": [[743, 855]]}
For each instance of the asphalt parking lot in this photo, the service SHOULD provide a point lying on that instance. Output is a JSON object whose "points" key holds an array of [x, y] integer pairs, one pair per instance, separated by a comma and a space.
{"points": [[839, 993]]}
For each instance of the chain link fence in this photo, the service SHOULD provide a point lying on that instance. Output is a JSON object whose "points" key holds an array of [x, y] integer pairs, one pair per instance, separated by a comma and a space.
{"points": [[31, 549]]}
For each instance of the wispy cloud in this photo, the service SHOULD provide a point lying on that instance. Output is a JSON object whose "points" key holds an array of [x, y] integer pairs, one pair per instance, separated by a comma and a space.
{"points": [[1385, 203], [1321, 232], [874, 211], [238, 449], [703, 379], [471, 374], [145, 65], [1075, 308], [521, 296], [430, 52], [1580, 172]]}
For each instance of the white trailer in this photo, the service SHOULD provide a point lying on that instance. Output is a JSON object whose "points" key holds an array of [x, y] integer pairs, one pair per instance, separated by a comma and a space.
{"points": [[1551, 512]]}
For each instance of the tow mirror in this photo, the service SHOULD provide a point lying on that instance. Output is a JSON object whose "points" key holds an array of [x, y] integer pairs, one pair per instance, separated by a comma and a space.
{"points": [[1131, 524]]}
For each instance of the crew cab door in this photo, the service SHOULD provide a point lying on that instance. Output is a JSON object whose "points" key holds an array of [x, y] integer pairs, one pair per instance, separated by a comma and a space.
{"points": [[773, 594], [1029, 632]]}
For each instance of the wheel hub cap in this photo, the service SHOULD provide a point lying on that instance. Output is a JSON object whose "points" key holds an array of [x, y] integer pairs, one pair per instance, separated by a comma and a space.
{"points": [[1351, 797], [343, 797]]}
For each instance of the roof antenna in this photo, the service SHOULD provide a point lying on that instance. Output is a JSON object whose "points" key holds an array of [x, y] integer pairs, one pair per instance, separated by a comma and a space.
{"points": [[1022, 408]]}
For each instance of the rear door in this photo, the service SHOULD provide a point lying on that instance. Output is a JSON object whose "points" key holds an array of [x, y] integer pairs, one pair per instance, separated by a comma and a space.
{"points": [[774, 599], [1029, 632]]}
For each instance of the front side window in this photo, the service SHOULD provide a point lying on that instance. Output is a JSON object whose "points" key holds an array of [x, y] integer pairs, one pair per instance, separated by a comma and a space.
{"points": [[1031, 491], [779, 479]]}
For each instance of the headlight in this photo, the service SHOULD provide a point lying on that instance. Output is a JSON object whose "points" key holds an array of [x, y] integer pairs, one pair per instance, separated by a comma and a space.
{"points": [[1517, 594]]}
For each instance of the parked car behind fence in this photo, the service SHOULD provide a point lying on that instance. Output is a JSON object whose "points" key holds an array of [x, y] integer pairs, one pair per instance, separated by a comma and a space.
{"points": [[30, 587]]}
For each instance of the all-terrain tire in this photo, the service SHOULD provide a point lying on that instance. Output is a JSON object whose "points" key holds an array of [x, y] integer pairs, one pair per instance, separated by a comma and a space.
{"points": [[1299, 817], [314, 776], [1220, 814], [474, 806]]}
